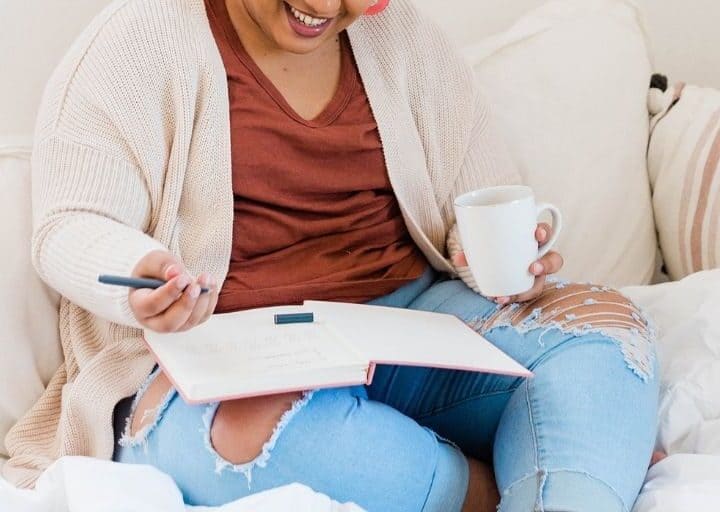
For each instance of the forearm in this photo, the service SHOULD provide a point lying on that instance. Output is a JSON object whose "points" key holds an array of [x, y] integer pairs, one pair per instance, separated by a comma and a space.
{"points": [[90, 213], [70, 250]]}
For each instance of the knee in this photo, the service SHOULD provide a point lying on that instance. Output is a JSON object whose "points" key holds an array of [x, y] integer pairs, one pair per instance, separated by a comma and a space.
{"points": [[573, 306], [583, 309], [241, 428], [148, 405]]}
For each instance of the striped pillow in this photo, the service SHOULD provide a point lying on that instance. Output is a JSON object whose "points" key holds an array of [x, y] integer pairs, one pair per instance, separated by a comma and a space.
{"points": [[684, 167]]}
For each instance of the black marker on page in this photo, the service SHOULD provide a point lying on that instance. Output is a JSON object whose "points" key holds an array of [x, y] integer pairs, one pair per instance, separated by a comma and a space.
{"points": [[136, 282]]}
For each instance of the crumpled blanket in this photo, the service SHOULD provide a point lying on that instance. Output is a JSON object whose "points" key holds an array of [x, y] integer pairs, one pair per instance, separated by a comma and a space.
{"points": [[80, 484]]}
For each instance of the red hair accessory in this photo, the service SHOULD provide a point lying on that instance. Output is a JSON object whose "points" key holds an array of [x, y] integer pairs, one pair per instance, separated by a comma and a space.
{"points": [[378, 7]]}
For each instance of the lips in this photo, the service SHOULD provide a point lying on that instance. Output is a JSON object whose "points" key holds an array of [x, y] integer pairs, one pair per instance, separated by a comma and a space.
{"points": [[304, 24]]}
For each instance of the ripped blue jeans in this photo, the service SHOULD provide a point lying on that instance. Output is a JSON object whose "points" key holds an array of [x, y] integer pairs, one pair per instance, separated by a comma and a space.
{"points": [[576, 437]]}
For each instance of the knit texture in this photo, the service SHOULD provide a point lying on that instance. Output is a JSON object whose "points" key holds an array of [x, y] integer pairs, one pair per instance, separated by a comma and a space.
{"points": [[132, 154]]}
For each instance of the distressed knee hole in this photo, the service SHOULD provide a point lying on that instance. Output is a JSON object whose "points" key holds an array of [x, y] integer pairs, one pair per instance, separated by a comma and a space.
{"points": [[241, 427], [147, 408], [242, 433], [584, 308]]}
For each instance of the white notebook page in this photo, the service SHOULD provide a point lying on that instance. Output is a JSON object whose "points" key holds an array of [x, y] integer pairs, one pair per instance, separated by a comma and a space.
{"points": [[246, 349], [417, 338]]}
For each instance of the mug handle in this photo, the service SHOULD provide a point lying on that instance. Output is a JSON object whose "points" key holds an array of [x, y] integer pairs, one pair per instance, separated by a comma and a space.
{"points": [[556, 225]]}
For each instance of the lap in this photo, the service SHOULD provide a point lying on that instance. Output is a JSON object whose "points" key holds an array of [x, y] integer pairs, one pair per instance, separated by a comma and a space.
{"points": [[335, 441], [564, 316], [348, 440]]}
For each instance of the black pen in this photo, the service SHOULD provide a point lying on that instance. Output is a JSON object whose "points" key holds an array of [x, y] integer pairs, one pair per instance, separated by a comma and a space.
{"points": [[136, 282]]}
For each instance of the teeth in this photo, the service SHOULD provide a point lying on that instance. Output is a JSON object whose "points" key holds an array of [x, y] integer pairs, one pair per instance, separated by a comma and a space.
{"points": [[307, 20]]}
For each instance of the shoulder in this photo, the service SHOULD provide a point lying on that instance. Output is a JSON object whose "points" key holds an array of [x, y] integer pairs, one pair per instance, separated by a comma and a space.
{"points": [[408, 38], [140, 39], [420, 60], [133, 49], [137, 60], [146, 35]]}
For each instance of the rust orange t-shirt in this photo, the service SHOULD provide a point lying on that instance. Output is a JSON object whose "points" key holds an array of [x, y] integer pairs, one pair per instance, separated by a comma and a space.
{"points": [[315, 214]]}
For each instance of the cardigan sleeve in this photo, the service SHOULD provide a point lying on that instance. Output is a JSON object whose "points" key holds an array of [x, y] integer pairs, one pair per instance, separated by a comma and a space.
{"points": [[487, 160], [90, 210]]}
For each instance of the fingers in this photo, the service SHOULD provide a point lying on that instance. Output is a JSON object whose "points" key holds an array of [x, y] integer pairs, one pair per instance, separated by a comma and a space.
{"points": [[175, 316], [543, 232], [551, 263], [534, 292], [147, 303], [156, 264], [529, 295], [201, 310], [177, 305]]}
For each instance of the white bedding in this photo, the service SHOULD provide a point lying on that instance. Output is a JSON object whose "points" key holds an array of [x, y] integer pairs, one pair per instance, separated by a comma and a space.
{"points": [[687, 314], [78, 484]]}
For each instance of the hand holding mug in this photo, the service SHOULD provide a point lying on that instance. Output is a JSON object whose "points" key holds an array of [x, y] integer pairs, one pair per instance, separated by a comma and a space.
{"points": [[549, 264], [507, 251]]}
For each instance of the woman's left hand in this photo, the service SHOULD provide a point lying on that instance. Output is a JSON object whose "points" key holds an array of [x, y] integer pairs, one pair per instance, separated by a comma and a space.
{"points": [[551, 263]]}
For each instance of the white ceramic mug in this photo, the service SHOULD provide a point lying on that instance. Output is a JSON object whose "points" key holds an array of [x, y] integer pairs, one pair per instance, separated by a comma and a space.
{"points": [[497, 228]]}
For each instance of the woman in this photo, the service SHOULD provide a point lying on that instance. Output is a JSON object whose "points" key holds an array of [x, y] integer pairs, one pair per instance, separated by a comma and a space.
{"points": [[311, 149]]}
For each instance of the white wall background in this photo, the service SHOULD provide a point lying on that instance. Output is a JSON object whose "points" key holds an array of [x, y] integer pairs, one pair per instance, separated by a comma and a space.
{"points": [[34, 34], [685, 35]]}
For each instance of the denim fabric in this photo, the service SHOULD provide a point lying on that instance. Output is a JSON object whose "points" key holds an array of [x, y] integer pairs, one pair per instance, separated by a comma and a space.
{"points": [[576, 437]]}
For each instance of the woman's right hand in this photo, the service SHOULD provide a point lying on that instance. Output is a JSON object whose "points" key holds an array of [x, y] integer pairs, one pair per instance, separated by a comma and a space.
{"points": [[177, 305]]}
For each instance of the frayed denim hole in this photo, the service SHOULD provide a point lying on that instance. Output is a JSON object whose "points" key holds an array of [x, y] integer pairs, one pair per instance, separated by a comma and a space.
{"points": [[636, 345], [129, 440], [262, 459]]}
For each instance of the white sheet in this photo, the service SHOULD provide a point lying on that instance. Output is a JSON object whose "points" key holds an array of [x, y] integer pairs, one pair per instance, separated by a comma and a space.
{"points": [[682, 483], [687, 314], [78, 484]]}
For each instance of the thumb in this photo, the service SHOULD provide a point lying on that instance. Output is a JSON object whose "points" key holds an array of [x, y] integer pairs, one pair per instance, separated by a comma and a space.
{"points": [[159, 265]]}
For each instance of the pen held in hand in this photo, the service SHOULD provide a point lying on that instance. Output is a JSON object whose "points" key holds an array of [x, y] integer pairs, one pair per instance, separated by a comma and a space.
{"points": [[136, 282]]}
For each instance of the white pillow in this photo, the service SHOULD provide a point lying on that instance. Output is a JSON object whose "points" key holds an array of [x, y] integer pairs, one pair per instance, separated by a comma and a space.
{"points": [[29, 338], [568, 85]]}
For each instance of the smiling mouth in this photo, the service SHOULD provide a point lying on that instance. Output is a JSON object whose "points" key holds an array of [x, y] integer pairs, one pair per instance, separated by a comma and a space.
{"points": [[306, 19]]}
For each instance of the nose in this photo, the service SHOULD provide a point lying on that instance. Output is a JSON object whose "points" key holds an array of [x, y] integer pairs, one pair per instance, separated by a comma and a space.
{"points": [[324, 8]]}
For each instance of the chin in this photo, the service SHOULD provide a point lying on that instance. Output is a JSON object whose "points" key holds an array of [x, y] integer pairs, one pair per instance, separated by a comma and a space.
{"points": [[289, 42]]}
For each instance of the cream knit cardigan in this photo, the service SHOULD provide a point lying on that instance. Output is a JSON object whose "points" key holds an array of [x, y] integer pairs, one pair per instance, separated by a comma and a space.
{"points": [[132, 154]]}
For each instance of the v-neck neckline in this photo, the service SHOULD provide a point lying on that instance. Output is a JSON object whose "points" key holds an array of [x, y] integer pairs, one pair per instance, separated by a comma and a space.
{"points": [[343, 92]]}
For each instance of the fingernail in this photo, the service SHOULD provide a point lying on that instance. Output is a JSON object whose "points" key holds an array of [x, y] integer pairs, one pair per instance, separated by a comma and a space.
{"points": [[537, 268], [542, 234], [172, 271], [182, 282], [503, 300], [195, 291]]}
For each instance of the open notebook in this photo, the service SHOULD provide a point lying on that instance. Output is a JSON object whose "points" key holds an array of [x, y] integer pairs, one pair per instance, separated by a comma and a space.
{"points": [[242, 354]]}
